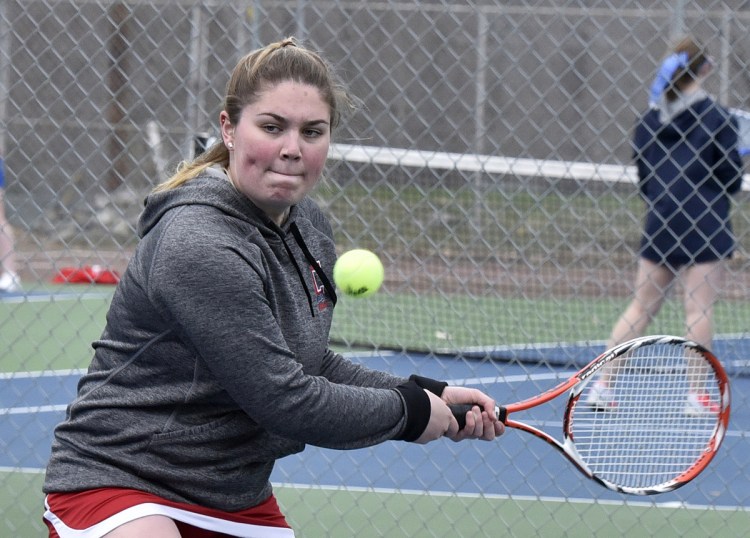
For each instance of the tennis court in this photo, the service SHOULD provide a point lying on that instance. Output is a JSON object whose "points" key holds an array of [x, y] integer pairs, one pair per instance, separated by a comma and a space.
{"points": [[418, 489]]}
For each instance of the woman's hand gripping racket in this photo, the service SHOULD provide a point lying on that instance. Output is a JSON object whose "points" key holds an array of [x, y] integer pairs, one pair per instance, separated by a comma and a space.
{"points": [[664, 416]]}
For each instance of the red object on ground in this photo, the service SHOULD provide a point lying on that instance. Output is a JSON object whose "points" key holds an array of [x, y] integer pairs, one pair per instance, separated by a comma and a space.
{"points": [[88, 274]]}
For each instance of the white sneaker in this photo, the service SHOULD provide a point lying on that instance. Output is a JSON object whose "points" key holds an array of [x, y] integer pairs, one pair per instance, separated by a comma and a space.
{"points": [[699, 404], [9, 282], [600, 397]]}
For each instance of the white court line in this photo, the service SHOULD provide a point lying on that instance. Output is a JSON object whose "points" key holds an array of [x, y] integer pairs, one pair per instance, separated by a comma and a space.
{"points": [[540, 377], [42, 373], [61, 408], [508, 379], [369, 354], [526, 347], [562, 345], [468, 381], [32, 409], [563, 500], [26, 470], [4, 411], [32, 297], [494, 496]]}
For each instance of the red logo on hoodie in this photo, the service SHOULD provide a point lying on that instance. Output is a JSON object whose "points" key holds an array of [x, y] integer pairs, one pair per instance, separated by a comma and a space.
{"points": [[321, 300]]}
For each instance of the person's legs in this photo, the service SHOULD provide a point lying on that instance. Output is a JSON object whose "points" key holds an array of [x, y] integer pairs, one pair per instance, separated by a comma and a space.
{"points": [[161, 526], [651, 285], [7, 256], [8, 273], [703, 283], [126, 513]]}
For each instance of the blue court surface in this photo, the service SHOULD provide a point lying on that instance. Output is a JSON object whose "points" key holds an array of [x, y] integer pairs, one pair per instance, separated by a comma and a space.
{"points": [[57, 293], [517, 464]]}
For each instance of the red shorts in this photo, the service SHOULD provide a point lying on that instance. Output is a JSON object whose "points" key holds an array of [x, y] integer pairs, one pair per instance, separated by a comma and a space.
{"points": [[93, 513]]}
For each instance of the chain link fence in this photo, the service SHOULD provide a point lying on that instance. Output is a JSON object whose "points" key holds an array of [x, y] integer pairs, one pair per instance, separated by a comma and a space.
{"points": [[489, 167]]}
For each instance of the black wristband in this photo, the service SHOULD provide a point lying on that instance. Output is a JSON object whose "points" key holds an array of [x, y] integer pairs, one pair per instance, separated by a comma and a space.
{"points": [[418, 410], [435, 387]]}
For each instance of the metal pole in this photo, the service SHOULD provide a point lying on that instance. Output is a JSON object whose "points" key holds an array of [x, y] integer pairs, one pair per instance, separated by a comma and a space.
{"points": [[196, 75], [300, 17], [5, 66], [678, 22], [480, 127], [724, 57]]}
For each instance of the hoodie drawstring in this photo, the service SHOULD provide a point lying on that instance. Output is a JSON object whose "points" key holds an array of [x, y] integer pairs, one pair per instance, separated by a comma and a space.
{"points": [[312, 261]]}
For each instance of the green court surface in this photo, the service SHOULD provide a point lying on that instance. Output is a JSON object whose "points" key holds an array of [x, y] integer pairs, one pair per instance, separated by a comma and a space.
{"points": [[452, 324], [392, 514], [315, 513], [53, 329]]}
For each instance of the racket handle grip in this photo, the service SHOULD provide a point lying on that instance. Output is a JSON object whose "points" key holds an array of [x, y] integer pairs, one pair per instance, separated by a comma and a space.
{"points": [[459, 412]]}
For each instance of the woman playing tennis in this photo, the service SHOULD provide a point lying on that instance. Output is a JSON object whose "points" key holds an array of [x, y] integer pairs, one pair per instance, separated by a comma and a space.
{"points": [[214, 361]]}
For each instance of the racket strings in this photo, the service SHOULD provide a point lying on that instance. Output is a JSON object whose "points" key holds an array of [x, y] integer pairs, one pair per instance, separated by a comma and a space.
{"points": [[663, 417]]}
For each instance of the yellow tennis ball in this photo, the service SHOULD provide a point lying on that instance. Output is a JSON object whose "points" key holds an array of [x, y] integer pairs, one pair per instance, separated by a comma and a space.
{"points": [[358, 273]]}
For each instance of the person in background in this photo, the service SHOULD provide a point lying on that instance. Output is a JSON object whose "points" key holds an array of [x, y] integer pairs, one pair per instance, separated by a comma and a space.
{"points": [[214, 362], [685, 151], [9, 279]]}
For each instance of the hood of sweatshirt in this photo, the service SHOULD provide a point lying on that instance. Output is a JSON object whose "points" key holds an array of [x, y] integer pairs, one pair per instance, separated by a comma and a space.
{"points": [[670, 110], [671, 122], [213, 188]]}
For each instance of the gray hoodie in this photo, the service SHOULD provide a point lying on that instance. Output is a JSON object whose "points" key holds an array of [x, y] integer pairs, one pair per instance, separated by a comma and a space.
{"points": [[214, 359]]}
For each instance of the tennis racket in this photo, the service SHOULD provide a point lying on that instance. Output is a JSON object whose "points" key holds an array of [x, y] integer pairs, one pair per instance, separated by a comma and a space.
{"points": [[666, 416]]}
